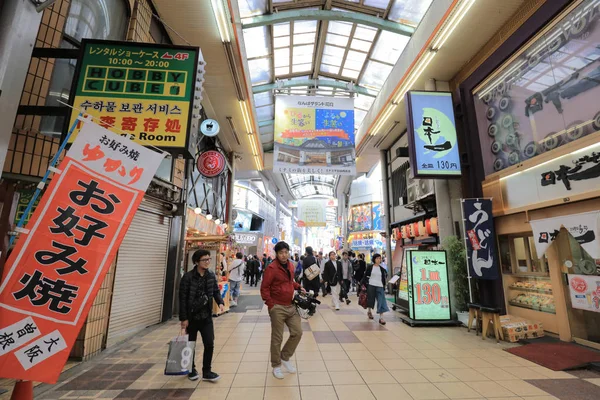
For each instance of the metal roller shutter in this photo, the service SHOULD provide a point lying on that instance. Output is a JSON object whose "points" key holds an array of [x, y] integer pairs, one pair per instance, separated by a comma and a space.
{"points": [[140, 274]]}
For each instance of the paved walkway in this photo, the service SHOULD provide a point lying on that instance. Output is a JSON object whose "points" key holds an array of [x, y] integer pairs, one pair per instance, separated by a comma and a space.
{"points": [[342, 356]]}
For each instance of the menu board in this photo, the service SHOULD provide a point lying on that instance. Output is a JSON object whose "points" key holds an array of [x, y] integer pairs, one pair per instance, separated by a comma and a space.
{"points": [[428, 287]]}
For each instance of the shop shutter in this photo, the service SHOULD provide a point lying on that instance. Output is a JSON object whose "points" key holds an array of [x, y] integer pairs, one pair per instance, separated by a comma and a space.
{"points": [[140, 274]]}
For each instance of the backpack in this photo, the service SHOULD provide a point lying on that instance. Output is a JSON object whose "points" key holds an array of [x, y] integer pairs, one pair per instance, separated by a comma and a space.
{"points": [[362, 296]]}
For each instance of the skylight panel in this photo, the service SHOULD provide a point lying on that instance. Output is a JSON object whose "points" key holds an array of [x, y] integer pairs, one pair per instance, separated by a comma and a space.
{"points": [[259, 71], [256, 41], [389, 47]]}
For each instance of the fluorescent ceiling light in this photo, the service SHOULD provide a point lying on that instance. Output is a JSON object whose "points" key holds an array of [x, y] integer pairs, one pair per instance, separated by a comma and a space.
{"points": [[246, 116], [219, 11], [448, 28]]}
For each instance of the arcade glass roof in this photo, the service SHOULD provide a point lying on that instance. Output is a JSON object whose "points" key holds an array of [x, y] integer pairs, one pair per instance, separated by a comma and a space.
{"points": [[322, 48]]}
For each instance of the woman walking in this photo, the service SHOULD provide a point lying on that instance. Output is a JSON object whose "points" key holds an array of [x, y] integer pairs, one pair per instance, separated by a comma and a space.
{"points": [[375, 278]]}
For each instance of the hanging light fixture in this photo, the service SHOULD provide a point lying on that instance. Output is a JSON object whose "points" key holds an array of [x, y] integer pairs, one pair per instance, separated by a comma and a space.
{"points": [[197, 211], [217, 221]]}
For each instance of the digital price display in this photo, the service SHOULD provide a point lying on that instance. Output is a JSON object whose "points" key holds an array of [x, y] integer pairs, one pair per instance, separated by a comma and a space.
{"points": [[428, 287]]}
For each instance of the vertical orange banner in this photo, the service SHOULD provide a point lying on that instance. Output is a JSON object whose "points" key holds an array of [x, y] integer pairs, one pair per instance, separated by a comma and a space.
{"points": [[58, 264]]}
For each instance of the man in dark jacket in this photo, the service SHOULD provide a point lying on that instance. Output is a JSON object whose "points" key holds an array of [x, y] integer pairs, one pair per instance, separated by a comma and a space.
{"points": [[332, 276], [359, 273], [196, 293], [277, 291], [315, 283]]}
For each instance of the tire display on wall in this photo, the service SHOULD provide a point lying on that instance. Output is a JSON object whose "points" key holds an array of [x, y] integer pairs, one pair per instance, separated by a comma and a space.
{"points": [[496, 147], [575, 131], [579, 26], [491, 113], [530, 150], [487, 99], [512, 140], [493, 129], [499, 164], [507, 121], [551, 141], [505, 103], [596, 122], [501, 88], [514, 158]]}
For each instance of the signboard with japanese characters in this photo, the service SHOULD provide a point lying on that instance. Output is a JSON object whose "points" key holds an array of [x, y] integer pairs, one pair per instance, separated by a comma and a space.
{"points": [[144, 90], [583, 227], [585, 292], [428, 287], [312, 213], [57, 267], [432, 138], [314, 135], [480, 238], [558, 179]]}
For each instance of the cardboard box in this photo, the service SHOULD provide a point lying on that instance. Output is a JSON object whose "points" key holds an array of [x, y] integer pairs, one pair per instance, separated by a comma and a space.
{"points": [[516, 328]]}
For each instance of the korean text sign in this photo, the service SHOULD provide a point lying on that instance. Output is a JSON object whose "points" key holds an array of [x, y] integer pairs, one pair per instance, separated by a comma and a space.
{"points": [[429, 297], [143, 90], [314, 135], [432, 134], [56, 269], [480, 238]]}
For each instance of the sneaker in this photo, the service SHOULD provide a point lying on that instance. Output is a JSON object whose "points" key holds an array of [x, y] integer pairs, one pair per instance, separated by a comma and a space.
{"points": [[277, 373], [193, 376], [233, 303], [337, 309], [210, 377], [289, 366], [348, 302]]}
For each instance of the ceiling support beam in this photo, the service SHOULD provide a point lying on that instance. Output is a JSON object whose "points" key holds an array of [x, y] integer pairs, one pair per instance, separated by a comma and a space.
{"points": [[327, 15], [349, 86]]}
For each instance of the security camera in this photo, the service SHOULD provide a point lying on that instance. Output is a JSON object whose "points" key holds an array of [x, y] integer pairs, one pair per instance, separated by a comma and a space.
{"points": [[41, 5]]}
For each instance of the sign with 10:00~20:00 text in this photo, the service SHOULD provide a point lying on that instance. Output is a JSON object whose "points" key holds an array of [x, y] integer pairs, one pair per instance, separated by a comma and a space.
{"points": [[58, 264], [144, 90]]}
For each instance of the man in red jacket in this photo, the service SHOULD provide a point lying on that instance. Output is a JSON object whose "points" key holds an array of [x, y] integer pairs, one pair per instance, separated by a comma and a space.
{"points": [[277, 291]]}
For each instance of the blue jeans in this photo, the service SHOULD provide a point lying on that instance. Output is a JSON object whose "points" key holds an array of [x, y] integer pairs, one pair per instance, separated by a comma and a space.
{"points": [[377, 293], [234, 286]]}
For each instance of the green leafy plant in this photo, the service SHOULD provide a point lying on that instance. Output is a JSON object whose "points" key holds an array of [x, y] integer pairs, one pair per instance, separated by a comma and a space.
{"points": [[457, 252]]}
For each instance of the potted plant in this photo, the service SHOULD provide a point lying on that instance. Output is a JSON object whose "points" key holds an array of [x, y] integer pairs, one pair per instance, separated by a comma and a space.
{"points": [[457, 263]]}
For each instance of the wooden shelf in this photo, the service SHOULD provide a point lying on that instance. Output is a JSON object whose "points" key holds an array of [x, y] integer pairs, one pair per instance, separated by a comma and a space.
{"points": [[547, 291], [515, 304]]}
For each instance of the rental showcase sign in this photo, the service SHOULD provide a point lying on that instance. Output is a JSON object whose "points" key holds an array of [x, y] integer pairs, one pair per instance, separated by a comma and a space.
{"points": [[428, 287], [314, 135], [432, 137], [145, 90], [59, 262]]}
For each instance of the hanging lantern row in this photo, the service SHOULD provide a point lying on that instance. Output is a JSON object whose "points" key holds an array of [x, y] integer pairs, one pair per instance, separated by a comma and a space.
{"points": [[424, 228]]}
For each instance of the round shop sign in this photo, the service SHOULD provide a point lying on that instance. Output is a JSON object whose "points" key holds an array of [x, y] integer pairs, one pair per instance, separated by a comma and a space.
{"points": [[211, 163], [274, 240], [209, 127]]}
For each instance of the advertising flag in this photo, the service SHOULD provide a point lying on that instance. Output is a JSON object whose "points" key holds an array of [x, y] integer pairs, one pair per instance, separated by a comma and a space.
{"points": [[480, 238], [59, 262]]}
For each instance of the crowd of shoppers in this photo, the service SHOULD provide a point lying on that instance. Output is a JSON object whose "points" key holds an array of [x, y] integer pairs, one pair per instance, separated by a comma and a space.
{"points": [[333, 275]]}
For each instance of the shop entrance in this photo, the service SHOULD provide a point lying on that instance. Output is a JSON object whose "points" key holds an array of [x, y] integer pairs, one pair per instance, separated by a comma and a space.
{"points": [[582, 286]]}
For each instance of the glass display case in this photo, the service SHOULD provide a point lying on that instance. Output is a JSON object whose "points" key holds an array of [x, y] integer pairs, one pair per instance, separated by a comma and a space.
{"points": [[532, 292]]}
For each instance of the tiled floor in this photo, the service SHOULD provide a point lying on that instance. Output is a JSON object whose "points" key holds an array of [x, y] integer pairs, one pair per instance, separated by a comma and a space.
{"points": [[342, 356]]}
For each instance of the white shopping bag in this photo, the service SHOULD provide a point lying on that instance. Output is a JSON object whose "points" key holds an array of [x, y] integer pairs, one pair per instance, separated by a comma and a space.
{"points": [[180, 357]]}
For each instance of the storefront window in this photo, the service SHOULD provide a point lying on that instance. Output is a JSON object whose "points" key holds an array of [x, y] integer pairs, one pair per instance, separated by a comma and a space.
{"points": [[518, 256], [101, 19], [546, 96]]}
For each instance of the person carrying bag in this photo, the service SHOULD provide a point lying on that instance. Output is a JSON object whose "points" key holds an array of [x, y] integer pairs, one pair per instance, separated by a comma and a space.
{"points": [[180, 355]]}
